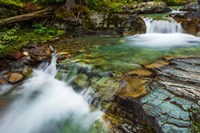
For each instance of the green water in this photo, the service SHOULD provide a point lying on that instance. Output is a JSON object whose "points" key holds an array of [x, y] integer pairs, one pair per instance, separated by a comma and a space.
{"points": [[114, 54]]}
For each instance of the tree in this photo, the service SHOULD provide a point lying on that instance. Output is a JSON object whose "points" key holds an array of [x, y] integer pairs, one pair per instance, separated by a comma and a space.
{"points": [[69, 4]]}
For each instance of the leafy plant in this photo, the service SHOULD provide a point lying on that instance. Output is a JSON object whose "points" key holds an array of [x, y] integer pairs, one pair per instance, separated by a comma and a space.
{"points": [[16, 37], [197, 128]]}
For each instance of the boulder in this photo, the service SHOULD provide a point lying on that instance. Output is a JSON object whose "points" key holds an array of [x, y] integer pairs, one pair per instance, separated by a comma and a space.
{"points": [[146, 8], [189, 7], [100, 24], [190, 22]]}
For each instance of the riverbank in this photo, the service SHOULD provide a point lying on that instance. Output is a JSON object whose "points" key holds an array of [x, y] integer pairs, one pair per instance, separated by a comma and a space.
{"points": [[146, 82]]}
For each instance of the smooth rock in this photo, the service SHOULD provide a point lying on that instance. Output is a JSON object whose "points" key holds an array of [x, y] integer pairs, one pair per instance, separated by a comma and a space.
{"points": [[15, 77]]}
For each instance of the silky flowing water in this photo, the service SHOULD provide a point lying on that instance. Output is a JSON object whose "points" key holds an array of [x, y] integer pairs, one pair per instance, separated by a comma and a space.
{"points": [[44, 104], [163, 38]]}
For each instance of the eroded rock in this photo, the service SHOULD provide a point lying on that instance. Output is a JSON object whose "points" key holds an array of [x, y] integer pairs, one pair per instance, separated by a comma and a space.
{"points": [[170, 105], [147, 8]]}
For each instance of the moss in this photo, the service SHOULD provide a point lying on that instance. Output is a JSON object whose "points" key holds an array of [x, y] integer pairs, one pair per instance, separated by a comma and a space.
{"points": [[11, 3], [175, 2], [197, 127], [12, 39], [62, 13]]}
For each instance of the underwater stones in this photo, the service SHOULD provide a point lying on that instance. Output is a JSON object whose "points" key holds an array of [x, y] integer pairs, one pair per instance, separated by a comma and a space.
{"points": [[134, 87], [82, 80], [157, 64], [140, 73], [15, 77]]}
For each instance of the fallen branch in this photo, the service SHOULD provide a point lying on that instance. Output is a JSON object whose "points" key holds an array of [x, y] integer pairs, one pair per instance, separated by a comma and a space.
{"points": [[27, 16]]}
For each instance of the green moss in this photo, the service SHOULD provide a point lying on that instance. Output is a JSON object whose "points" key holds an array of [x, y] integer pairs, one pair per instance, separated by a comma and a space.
{"points": [[16, 37], [174, 2], [197, 127], [11, 3]]}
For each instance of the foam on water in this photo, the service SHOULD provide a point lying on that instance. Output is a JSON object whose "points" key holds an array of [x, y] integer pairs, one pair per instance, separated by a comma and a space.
{"points": [[162, 26], [44, 102], [163, 34], [158, 40]]}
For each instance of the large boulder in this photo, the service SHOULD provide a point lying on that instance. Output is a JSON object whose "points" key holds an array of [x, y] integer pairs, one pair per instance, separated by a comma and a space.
{"points": [[147, 8], [189, 7], [190, 22], [94, 23]]}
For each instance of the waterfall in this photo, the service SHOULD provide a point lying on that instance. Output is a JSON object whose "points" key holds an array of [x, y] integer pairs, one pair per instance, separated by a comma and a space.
{"points": [[162, 26], [163, 34], [45, 104]]}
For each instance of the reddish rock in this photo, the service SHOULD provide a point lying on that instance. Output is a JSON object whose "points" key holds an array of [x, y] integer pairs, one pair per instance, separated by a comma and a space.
{"points": [[17, 55]]}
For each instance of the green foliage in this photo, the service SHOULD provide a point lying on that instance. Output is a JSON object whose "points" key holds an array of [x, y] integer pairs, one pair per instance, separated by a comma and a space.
{"points": [[12, 39], [174, 2], [42, 30], [107, 5], [197, 128], [47, 2], [15, 3]]}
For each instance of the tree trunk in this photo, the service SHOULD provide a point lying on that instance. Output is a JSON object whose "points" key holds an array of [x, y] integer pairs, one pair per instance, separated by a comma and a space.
{"points": [[69, 4], [27, 16]]}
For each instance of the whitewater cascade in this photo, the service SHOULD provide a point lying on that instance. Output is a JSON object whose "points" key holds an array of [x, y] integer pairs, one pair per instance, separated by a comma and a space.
{"points": [[162, 26], [163, 34], [45, 104]]}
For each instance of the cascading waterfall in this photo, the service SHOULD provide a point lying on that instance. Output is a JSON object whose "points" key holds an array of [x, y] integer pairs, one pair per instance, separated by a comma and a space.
{"points": [[163, 34], [162, 26], [45, 104]]}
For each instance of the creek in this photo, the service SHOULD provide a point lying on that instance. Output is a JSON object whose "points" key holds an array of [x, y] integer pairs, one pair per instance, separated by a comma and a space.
{"points": [[45, 104]]}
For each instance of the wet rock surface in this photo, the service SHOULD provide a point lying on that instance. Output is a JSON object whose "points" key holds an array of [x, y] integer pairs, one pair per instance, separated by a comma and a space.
{"points": [[165, 98], [189, 22], [18, 65], [173, 97]]}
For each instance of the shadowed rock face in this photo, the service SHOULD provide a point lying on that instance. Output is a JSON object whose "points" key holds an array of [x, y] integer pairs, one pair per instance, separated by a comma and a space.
{"points": [[174, 96], [189, 22]]}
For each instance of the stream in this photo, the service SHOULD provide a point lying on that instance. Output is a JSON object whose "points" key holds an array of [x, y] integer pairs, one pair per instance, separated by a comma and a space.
{"points": [[44, 104]]}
